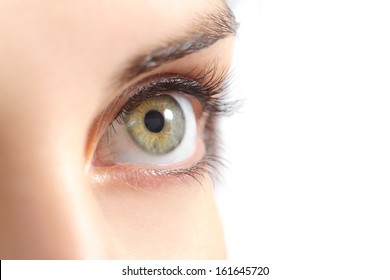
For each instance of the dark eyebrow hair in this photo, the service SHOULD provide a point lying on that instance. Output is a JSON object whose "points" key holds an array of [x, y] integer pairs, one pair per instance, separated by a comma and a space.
{"points": [[206, 30]]}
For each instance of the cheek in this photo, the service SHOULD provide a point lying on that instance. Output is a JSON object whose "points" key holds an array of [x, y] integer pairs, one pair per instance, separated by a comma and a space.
{"points": [[179, 222]]}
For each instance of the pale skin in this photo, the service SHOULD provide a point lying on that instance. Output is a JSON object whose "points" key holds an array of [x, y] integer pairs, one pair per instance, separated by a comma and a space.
{"points": [[58, 60]]}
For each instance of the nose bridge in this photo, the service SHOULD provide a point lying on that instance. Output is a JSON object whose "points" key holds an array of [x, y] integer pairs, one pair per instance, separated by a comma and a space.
{"points": [[47, 209], [51, 220]]}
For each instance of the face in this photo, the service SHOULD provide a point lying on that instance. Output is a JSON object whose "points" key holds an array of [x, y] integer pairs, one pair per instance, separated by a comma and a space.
{"points": [[108, 140]]}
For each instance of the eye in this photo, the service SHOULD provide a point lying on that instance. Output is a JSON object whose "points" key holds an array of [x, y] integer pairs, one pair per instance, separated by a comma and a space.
{"points": [[159, 130], [162, 128]]}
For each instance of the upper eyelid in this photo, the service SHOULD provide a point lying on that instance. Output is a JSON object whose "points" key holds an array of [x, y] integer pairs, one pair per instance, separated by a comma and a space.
{"points": [[165, 83]]}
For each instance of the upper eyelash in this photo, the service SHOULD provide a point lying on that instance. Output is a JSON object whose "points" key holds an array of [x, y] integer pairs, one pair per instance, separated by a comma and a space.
{"points": [[208, 86]]}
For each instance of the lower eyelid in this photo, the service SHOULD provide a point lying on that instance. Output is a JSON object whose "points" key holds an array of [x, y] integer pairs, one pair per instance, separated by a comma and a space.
{"points": [[151, 177], [142, 179]]}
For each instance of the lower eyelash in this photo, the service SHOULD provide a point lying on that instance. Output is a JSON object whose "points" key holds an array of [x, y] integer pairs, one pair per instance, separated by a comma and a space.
{"points": [[150, 179]]}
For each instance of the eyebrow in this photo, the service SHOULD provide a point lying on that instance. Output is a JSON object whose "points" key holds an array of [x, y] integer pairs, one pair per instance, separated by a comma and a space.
{"points": [[206, 30]]}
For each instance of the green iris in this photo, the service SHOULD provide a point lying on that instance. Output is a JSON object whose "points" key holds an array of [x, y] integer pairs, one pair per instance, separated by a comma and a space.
{"points": [[157, 125]]}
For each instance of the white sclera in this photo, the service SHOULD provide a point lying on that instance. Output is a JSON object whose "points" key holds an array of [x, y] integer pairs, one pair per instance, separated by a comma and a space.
{"points": [[120, 148]]}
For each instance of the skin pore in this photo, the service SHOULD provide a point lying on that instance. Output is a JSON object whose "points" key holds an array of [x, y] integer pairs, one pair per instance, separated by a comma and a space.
{"points": [[64, 63]]}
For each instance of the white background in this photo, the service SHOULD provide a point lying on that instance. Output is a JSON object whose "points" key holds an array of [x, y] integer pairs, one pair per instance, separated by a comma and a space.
{"points": [[307, 190]]}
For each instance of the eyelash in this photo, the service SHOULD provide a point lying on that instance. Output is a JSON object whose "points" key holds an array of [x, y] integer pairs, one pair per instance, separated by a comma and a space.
{"points": [[210, 87]]}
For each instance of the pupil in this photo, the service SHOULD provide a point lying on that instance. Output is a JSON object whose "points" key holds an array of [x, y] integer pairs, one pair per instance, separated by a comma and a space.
{"points": [[154, 121]]}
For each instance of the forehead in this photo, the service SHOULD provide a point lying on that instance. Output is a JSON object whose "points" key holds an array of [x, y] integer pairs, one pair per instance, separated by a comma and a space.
{"points": [[66, 52], [89, 38], [98, 20], [89, 26]]}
